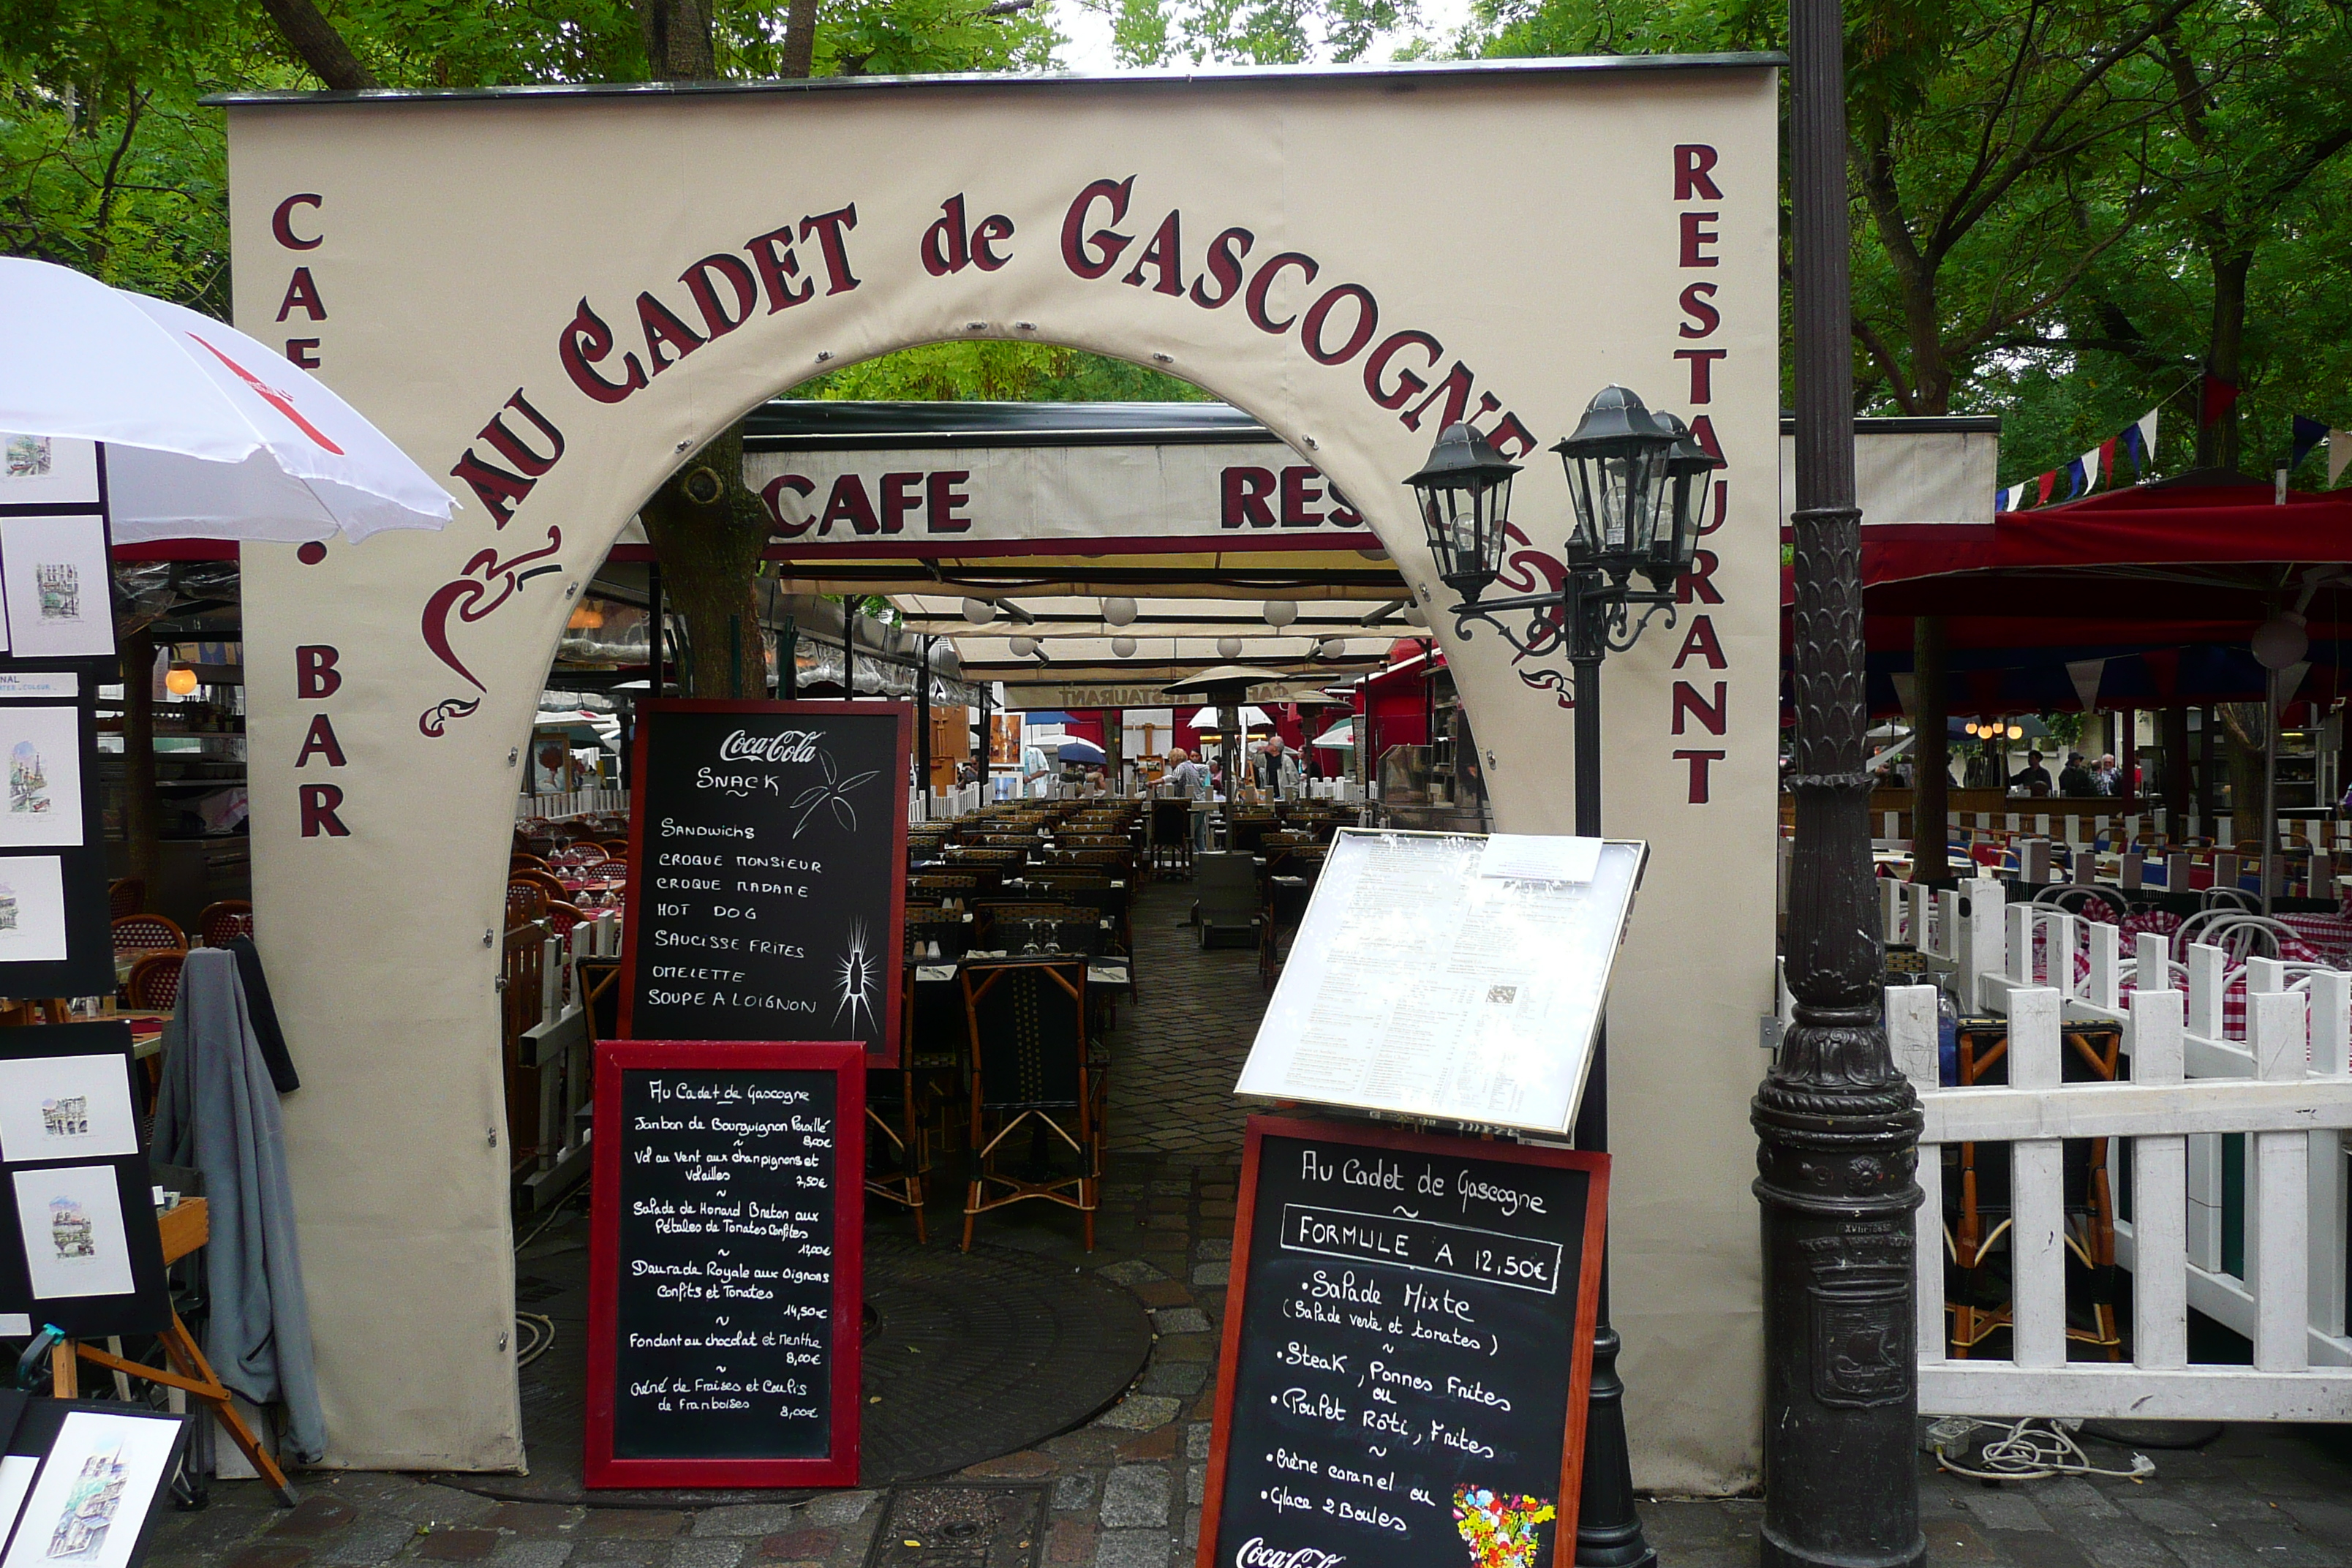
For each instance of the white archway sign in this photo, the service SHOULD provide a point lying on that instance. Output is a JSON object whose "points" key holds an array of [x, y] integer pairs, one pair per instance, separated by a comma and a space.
{"points": [[561, 292]]}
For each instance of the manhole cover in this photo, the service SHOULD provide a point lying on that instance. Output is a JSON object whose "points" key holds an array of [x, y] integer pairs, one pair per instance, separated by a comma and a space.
{"points": [[962, 1527]]}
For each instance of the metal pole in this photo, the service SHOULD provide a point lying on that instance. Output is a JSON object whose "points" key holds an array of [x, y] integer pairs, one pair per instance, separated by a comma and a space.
{"points": [[653, 639], [1931, 723], [987, 750], [1608, 1526], [2270, 781], [1838, 1125], [923, 720]]}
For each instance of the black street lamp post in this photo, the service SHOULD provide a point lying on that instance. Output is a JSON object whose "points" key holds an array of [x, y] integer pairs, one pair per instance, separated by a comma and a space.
{"points": [[1635, 480], [1837, 1126]]}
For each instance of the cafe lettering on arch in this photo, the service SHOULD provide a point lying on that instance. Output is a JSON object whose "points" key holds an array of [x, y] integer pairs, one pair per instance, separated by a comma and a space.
{"points": [[555, 295]]}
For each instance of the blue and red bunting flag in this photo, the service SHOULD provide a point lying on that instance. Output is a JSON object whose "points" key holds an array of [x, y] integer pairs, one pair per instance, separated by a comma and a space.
{"points": [[2215, 397], [2308, 434], [2096, 467]]}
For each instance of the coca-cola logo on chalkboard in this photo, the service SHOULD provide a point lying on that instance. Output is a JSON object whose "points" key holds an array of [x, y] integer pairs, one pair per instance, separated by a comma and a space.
{"points": [[784, 746]]}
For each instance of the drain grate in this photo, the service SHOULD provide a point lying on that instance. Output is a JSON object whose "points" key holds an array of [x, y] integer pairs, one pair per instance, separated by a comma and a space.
{"points": [[962, 1527]]}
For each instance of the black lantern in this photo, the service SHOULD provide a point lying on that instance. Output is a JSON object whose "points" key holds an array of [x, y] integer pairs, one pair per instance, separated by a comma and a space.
{"points": [[1465, 502], [1618, 482], [1687, 468]]}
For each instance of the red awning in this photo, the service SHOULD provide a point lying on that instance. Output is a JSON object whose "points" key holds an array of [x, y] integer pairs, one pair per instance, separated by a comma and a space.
{"points": [[2206, 547]]}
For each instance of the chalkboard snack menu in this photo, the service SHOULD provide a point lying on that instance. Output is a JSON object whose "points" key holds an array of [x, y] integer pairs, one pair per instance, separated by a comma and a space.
{"points": [[768, 894], [724, 1264], [1408, 1348]]}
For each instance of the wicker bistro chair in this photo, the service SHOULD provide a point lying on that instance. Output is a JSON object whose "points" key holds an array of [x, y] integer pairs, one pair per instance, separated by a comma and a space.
{"points": [[1170, 840], [951, 931], [1077, 931], [1034, 1067], [526, 901], [1976, 1201], [135, 935], [1088, 890], [223, 922], [124, 896], [154, 983]]}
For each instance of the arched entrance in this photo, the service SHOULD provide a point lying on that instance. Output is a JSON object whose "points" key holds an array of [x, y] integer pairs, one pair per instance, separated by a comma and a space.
{"points": [[555, 294]]}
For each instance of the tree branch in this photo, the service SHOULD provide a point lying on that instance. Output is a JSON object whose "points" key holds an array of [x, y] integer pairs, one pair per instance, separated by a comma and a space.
{"points": [[316, 43]]}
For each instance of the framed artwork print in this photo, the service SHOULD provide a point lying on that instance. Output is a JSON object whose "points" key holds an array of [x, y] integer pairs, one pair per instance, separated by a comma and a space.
{"points": [[98, 1484], [65, 1108], [40, 746], [55, 577]]}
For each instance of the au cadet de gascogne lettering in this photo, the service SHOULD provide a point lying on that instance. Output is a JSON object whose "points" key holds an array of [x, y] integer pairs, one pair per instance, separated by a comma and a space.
{"points": [[612, 350]]}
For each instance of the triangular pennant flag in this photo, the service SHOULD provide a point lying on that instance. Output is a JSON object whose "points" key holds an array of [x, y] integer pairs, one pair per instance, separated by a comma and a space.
{"points": [[2107, 458], [2042, 486], [2000, 498], [2290, 682], [2163, 666], [1905, 683], [2145, 452], [2075, 478], [2089, 463], [2214, 399], [2086, 674], [2339, 454], [2309, 432]]}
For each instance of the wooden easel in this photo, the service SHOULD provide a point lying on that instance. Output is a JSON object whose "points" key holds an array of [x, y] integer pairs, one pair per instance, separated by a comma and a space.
{"points": [[184, 1229]]}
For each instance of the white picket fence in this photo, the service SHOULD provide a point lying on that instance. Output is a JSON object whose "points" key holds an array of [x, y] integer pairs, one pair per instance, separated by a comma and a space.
{"points": [[2288, 1086], [564, 805], [941, 805]]}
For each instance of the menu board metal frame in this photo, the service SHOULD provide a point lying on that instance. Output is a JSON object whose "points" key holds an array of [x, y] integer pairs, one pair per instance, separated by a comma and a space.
{"points": [[891, 960], [1378, 1137], [848, 1061]]}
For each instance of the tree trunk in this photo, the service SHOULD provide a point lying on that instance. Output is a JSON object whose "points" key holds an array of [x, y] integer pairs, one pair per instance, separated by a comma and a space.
{"points": [[2243, 724], [142, 812], [2217, 444], [800, 37], [677, 40], [314, 40], [708, 530]]}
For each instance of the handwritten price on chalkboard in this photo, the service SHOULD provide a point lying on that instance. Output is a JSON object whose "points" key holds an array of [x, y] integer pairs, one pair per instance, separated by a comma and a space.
{"points": [[1427, 1247]]}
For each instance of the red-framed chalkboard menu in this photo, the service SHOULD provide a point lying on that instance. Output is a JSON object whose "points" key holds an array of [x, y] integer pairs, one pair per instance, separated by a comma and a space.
{"points": [[1408, 1351], [724, 1263], [767, 872]]}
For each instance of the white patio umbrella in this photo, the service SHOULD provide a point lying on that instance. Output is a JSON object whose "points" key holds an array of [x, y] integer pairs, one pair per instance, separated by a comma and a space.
{"points": [[208, 433], [1339, 737], [1252, 718]]}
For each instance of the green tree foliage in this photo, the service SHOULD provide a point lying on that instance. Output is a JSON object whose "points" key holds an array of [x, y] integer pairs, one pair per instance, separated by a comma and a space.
{"points": [[2065, 211], [999, 372], [1150, 33]]}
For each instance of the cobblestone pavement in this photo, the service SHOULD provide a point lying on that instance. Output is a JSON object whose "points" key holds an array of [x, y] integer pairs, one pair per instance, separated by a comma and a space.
{"points": [[1124, 1491], [1178, 1051]]}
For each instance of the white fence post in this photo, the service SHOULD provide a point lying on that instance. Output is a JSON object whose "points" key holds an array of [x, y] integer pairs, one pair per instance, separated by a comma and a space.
{"points": [[1913, 1035], [2331, 1193], [2278, 1253], [2159, 1193], [1980, 946], [2018, 938], [2207, 968], [2037, 1181], [2103, 985], [1890, 911]]}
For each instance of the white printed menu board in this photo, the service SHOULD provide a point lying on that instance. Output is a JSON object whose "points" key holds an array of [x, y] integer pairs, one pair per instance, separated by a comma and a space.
{"points": [[1455, 976]]}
